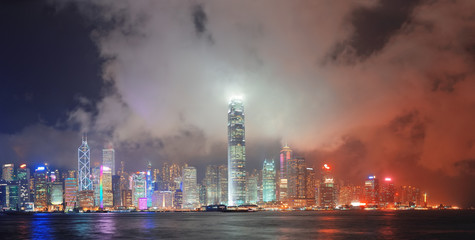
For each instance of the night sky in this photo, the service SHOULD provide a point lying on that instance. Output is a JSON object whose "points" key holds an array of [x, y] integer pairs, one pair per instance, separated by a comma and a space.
{"points": [[370, 87]]}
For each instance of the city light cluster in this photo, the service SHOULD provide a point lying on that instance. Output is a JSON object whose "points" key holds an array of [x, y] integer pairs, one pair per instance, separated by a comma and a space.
{"points": [[288, 184]]}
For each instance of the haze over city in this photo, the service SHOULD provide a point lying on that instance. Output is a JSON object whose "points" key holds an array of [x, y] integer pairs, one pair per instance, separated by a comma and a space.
{"points": [[379, 88]]}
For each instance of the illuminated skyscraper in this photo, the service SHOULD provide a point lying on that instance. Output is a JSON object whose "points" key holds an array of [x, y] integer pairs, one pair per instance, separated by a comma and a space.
{"points": [[162, 199], [283, 182], [310, 184], [223, 184], [8, 172], [150, 187], [190, 188], [251, 188], [327, 190], [409, 196], [108, 200], [371, 190], [139, 186], [292, 173], [211, 183], [175, 176], [164, 186], [268, 180], [96, 182], [386, 196], [236, 153], [23, 176], [285, 156], [70, 193], [55, 190], [178, 198], [84, 167], [86, 199], [108, 159], [300, 178], [41, 194], [13, 195]]}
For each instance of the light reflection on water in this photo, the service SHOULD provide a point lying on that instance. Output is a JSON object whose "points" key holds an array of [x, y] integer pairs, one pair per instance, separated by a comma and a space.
{"points": [[260, 225], [40, 226]]}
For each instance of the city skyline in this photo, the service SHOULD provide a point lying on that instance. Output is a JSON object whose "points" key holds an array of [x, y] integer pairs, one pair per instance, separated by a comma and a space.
{"points": [[370, 87]]}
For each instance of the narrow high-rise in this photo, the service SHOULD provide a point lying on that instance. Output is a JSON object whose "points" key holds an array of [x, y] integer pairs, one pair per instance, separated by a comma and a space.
{"points": [[211, 182], [190, 188], [268, 180], [108, 159], [84, 167], [236, 153]]}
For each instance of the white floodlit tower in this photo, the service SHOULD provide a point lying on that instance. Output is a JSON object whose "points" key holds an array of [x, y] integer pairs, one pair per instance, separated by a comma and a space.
{"points": [[84, 166], [236, 153]]}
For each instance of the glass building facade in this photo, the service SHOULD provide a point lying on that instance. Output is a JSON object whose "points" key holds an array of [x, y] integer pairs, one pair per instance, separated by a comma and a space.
{"points": [[108, 159], [236, 153], [84, 166], [190, 188], [268, 181], [139, 185]]}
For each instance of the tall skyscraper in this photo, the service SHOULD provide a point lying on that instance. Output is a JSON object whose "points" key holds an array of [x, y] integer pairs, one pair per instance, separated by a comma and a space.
{"points": [[108, 158], [175, 174], [371, 190], [283, 182], [23, 176], [327, 190], [236, 153], [285, 156], [251, 188], [84, 166], [211, 183], [268, 180], [96, 182], [190, 188], [150, 187], [70, 193], [310, 184], [116, 193], [165, 177], [8, 172], [139, 186], [292, 172], [387, 192], [223, 184], [301, 181], [55, 191], [108, 200], [41, 194]]}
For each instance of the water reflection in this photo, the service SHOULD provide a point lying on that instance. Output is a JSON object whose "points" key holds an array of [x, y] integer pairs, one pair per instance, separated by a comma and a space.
{"points": [[105, 224], [24, 229], [41, 226], [387, 230], [148, 222], [328, 228]]}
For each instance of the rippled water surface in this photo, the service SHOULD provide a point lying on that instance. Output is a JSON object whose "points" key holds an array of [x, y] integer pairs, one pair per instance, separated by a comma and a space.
{"points": [[257, 225]]}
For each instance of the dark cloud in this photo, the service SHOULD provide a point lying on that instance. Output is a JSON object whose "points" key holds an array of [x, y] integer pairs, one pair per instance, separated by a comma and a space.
{"points": [[466, 166], [200, 19], [373, 26], [40, 78]]}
